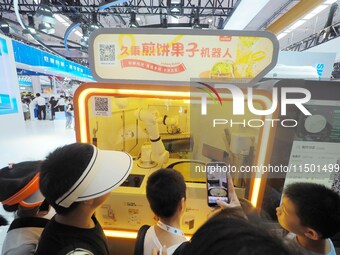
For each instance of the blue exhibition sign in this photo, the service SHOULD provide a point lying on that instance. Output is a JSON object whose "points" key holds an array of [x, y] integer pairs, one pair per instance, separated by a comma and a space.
{"points": [[28, 55]]}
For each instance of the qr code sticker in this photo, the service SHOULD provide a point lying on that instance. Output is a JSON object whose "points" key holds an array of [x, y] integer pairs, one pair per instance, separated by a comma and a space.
{"points": [[107, 53], [101, 106]]}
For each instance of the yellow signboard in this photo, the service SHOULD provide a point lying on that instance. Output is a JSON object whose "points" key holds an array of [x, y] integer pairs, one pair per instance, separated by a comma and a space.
{"points": [[181, 55]]}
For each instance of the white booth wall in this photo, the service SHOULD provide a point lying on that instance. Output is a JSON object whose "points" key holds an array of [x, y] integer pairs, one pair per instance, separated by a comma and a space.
{"points": [[330, 46], [11, 119]]}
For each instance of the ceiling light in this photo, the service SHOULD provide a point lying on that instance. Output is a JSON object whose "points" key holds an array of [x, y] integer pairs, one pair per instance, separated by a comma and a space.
{"points": [[309, 16], [44, 10], [78, 33], [4, 26], [297, 24], [30, 29], [93, 27], [280, 36], [319, 9], [61, 20], [46, 28], [175, 6], [330, 1]]}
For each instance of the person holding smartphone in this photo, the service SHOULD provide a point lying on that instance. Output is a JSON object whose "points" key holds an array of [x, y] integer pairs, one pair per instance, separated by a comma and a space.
{"points": [[233, 206], [233, 201], [217, 183]]}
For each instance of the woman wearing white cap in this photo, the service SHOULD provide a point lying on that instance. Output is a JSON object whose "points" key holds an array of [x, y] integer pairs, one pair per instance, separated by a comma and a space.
{"points": [[76, 179]]}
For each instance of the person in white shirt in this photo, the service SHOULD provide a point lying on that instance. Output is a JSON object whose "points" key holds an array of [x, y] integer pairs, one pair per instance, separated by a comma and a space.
{"points": [[61, 104], [311, 212], [166, 193], [41, 102], [25, 109]]}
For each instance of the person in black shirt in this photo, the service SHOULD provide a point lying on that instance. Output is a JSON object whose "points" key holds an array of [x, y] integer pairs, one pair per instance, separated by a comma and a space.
{"points": [[75, 180], [53, 108]]}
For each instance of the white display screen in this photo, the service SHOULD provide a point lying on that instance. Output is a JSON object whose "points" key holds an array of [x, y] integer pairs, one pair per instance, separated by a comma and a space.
{"points": [[315, 154]]}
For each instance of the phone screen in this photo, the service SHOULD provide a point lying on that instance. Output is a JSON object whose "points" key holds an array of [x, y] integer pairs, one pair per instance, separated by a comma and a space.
{"points": [[217, 183]]}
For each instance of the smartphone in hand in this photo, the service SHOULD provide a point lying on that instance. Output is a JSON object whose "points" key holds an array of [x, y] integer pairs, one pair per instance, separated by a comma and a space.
{"points": [[217, 182]]}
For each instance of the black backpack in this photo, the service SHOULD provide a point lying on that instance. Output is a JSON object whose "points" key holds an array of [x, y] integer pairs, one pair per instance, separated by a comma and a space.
{"points": [[139, 245], [28, 222]]}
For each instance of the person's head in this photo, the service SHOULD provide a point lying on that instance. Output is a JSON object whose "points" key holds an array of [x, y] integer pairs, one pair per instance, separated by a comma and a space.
{"points": [[234, 235], [52, 98], [80, 173], [19, 188], [311, 210], [37, 95], [166, 192]]}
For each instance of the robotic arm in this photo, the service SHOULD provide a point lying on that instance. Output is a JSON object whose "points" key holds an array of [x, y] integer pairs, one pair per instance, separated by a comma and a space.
{"points": [[151, 119]]}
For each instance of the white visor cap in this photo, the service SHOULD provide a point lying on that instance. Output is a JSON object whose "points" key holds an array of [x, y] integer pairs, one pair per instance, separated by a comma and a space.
{"points": [[105, 171]]}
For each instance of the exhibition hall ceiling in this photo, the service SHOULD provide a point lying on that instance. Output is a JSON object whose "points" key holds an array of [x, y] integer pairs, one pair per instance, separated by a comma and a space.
{"points": [[86, 15]]}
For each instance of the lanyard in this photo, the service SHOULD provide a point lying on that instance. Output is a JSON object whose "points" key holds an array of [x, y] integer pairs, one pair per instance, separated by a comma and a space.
{"points": [[172, 230]]}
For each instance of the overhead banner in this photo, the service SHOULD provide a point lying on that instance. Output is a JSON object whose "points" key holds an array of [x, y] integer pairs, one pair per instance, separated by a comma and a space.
{"points": [[181, 55], [44, 62]]}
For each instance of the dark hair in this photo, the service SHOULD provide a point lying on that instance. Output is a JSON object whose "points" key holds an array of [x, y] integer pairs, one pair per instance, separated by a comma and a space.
{"points": [[317, 206], [3, 221], [38, 94], [233, 235], [61, 169], [164, 189], [11, 208]]}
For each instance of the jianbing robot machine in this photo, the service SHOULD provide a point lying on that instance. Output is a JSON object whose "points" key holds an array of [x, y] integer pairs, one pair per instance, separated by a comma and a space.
{"points": [[167, 112]]}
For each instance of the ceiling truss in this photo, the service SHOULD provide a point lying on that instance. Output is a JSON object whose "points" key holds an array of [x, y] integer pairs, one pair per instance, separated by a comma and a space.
{"points": [[210, 8]]}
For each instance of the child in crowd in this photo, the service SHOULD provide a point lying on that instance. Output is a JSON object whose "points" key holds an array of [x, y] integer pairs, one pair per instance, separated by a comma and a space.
{"points": [[311, 212], [76, 179], [228, 231], [166, 193], [19, 193]]}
